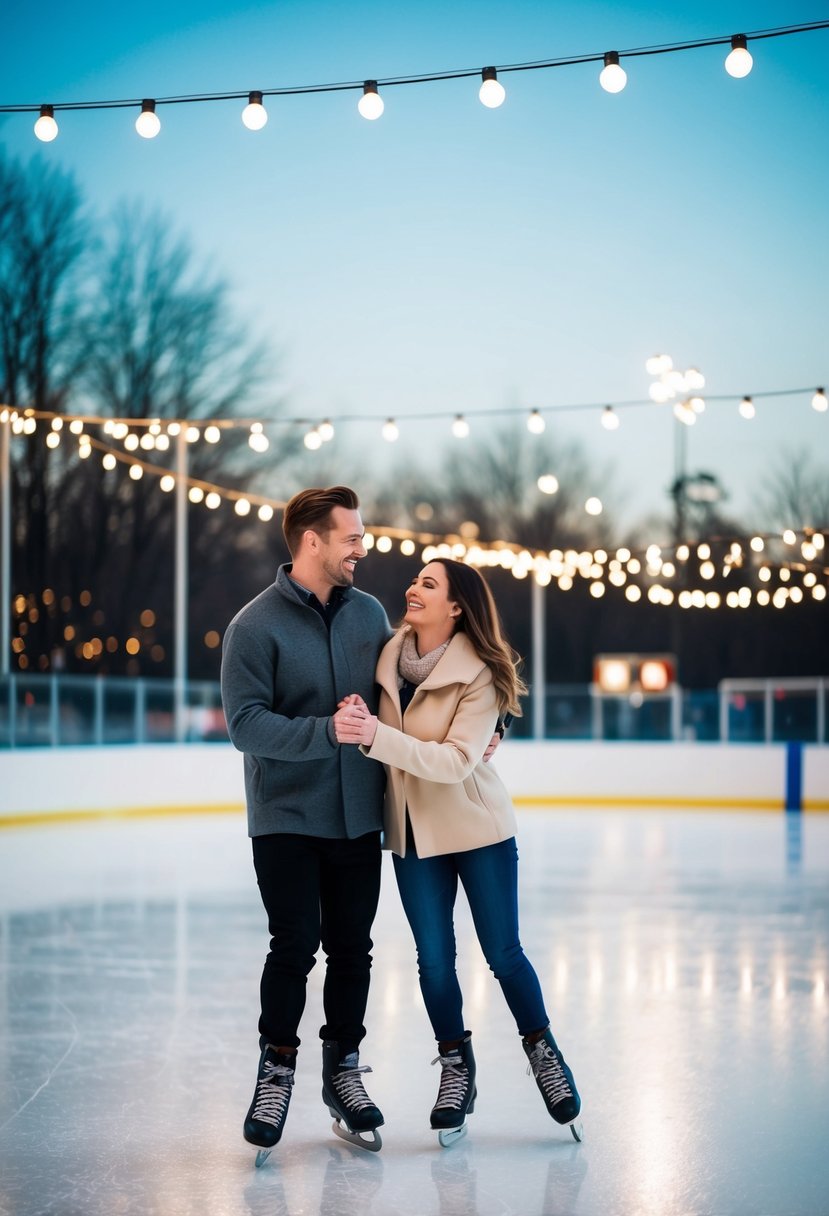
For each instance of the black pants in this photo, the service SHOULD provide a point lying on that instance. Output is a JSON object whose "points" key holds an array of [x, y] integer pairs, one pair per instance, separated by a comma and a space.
{"points": [[317, 891]]}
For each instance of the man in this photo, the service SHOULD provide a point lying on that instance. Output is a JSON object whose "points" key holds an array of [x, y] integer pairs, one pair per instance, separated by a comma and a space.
{"points": [[314, 809]]}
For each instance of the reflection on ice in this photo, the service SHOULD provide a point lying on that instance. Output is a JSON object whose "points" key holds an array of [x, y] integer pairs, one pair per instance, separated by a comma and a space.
{"points": [[684, 960]]}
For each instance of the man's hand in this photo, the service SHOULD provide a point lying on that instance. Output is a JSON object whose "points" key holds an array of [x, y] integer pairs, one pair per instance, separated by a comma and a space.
{"points": [[353, 723]]}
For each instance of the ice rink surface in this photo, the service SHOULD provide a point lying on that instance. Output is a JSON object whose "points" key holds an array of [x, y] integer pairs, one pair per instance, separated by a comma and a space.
{"points": [[684, 958]]}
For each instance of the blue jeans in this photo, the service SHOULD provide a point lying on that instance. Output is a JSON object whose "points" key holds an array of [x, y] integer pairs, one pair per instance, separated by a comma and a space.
{"points": [[428, 887]]}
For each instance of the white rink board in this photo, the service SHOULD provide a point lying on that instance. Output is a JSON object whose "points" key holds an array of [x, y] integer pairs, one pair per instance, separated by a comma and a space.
{"points": [[160, 779]]}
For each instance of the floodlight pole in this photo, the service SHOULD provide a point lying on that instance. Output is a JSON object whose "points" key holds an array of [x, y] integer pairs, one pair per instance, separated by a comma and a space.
{"points": [[180, 642], [539, 697]]}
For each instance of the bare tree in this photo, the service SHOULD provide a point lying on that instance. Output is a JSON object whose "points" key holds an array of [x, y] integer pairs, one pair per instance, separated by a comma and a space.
{"points": [[129, 325], [493, 484], [797, 493], [44, 237]]}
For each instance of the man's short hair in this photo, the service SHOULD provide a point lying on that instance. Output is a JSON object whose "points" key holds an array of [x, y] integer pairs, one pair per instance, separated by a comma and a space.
{"points": [[311, 509]]}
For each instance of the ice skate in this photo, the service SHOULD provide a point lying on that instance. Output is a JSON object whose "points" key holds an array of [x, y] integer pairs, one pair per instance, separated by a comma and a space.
{"points": [[355, 1115], [456, 1093], [555, 1080], [265, 1120]]}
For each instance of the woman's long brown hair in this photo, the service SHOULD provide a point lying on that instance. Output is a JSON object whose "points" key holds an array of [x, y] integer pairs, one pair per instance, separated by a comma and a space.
{"points": [[481, 623]]}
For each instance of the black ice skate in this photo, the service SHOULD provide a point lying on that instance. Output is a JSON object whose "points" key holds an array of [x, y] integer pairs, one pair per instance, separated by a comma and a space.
{"points": [[355, 1115], [555, 1080], [265, 1121], [456, 1094]]}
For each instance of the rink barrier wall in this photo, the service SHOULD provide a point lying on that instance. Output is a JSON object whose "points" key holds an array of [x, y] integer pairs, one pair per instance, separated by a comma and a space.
{"points": [[44, 784]]}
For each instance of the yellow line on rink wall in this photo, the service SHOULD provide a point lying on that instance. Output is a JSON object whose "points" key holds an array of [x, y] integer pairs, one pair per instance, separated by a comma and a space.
{"points": [[44, 818], [527, 802], [631, 802]]}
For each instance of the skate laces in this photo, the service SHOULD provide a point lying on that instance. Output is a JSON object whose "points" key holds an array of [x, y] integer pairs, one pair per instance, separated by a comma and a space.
{"points": [[454, 1082], [349, 1087], [546, 1067], [273, 1093]]}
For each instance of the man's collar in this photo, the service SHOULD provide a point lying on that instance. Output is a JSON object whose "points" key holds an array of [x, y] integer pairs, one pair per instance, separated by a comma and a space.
{"points": [[337, 593]]}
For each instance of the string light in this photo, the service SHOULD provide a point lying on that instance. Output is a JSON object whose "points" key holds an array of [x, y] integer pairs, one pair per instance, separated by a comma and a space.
{"points": [[390, 431], [613, 76], [148, 124], [746, 408], [313, 440], [820, 402], [325, 430], [254, 115], [491, 92], [460, 427], [738, 62], [371, 104], [797, 575], [610, 419], [46, 129], [548, 484], [535, 423]]}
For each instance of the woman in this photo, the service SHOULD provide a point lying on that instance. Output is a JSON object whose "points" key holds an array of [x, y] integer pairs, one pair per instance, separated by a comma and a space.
{"points": [[446, 678]]}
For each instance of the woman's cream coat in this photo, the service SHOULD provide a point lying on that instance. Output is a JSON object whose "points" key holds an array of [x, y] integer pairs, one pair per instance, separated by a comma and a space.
{"points": [[434, 762]]}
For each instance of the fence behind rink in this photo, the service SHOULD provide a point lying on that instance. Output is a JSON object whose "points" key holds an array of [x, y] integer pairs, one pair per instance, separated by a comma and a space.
{"points": [[61, 710]]}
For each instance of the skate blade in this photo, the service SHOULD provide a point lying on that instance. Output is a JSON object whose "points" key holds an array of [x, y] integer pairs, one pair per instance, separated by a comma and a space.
{"points": [[262, 1155], [577, 1130], [356, 1138], [447, 1136]]}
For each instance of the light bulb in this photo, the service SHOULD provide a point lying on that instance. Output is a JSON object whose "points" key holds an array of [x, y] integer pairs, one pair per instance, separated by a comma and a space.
{"points": [[820, 402], [325, 431], [658, 364], [694, 378], [738, 62], [46, 129], [593, 506], [697, 404], [613, 76], [390, 431], [684, 413], [370, 104], [659, 392], [242, 506], [460, 427], [675, 381], [746, 408], [212, 434], [491, 92], [547, 483], [254, 115], [148, 124], [313, 440], [535, 423], [610, 419]]}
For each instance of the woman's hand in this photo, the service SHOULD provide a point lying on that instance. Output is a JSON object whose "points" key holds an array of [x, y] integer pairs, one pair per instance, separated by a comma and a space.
{"points": [[353, 723]]}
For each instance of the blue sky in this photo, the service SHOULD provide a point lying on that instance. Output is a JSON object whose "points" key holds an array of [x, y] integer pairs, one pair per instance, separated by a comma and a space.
{"points": [[451, 258]]}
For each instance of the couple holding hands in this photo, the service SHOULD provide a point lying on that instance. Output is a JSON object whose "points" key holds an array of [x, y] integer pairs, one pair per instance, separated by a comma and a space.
{"points": [[404, 754]]}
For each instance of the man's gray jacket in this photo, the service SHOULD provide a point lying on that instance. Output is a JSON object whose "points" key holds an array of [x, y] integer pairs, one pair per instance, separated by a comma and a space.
{"points": [[283, 673]]}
